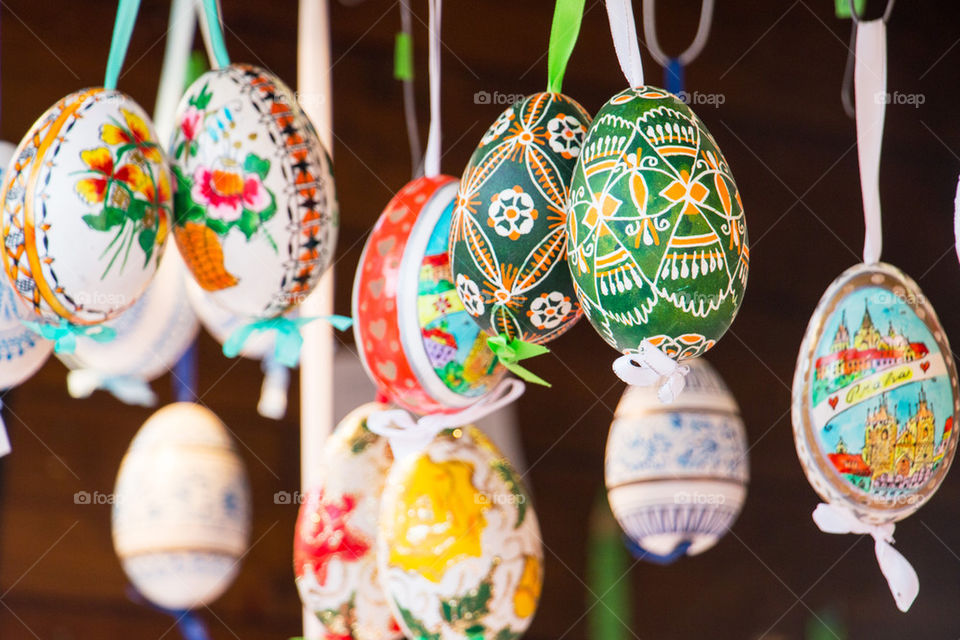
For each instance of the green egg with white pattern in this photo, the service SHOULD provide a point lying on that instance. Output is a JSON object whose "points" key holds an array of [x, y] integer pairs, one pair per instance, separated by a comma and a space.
{"points": [[509, 235], [657, 245]]}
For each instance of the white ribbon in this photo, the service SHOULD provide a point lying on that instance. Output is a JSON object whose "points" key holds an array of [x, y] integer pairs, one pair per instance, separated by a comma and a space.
{"points": [[652, 367], [408, 436], [623, 28], [273, 392], [870, 91], [81, 383], [205, 31], [900, 575], [173, 74], [956, 219], [431, 158], [4, 438]]}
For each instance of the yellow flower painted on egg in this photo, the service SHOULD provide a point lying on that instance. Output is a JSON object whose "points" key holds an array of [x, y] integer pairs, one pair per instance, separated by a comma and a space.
{"points": [[133, 131], [527, 595], [439, 518]]}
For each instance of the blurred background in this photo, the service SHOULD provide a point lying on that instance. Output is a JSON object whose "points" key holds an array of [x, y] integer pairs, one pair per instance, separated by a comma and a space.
{"points": [[776, 68]]}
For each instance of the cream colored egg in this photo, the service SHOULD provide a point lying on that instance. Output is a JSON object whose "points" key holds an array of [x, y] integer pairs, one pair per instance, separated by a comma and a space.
{"points": [[460, 553], [334, 547], [677, 475], [181, 516]]}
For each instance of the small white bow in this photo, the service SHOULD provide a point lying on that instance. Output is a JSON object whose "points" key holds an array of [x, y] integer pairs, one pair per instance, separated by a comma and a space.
{"points": [[649, 367]]}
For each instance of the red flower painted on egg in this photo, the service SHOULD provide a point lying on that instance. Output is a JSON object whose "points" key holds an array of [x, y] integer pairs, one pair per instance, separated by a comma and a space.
{"points": [[324, 534]]}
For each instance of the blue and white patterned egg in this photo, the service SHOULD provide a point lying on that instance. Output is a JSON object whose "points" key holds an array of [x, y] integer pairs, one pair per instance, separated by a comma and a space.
{"points": [[677, 478]]}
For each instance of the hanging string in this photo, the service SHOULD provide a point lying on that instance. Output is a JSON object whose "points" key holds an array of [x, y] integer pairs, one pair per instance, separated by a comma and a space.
{"points": [[211, 26], [120, 42], [431, 160], [403, 71], [846, 89], [699, 39], [870, 91], [567, 15], [408, 436], [623, 28], [173, 72]]}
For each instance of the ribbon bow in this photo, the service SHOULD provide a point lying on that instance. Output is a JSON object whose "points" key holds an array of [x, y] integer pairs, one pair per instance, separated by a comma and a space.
{"points": [[510, 351], [64, 335], [408, 436], [287, 340], [649, 367], [81, 383], [900, 575]]}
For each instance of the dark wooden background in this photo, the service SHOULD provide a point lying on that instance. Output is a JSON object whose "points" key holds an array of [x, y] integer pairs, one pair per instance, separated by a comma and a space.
{"points": [[778, 66]]}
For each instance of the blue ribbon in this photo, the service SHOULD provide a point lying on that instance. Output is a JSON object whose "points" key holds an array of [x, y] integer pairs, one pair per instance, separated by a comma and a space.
{"points": [[64, 335], [640, 553], [184, 378], [189, 624], [673, 76], [287, 337], [122, 32]]}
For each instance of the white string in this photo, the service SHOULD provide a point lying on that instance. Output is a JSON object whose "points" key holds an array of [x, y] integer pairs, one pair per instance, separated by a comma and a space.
{"points": [[870, 96], [652, 367], [408, 436], [4, 438], [431, 160], [956, 219], [901, 577], [623, 28], [205, 31], [183, 21], [699, 40]]}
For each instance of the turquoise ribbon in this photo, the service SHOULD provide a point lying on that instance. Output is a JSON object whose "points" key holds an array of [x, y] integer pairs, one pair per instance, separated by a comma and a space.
{"points": [[510, 351], [122, 32], [64, 335], [287, 337], [215, 31], [563, 36]]}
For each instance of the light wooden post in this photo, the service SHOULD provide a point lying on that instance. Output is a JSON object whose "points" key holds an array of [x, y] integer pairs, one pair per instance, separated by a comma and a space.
{"points": [[316, 360]]}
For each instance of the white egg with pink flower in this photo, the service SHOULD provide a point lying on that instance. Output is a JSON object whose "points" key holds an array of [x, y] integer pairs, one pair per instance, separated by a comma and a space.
{"points": [[255, 209]]}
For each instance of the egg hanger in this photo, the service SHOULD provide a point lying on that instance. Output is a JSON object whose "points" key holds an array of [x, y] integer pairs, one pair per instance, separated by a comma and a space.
{"points": [[623, 29], [122, 32], [403, 71], [567, 16], [431, 156], [673, 66], [211, 26], [846, 89]]}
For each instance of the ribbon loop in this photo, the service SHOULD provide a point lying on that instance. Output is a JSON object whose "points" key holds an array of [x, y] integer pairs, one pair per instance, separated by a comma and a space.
{"points": [[431, 159], [900, 575], [699, 39], [4, 437], [567, 15], [652, 367], [623, 29], [211, 26], [408, 436], [510, 351], [287, 337], [64, 334], [870, 96], [120, 42]]}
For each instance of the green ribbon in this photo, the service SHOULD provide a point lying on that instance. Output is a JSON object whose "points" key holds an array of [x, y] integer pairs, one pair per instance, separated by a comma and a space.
{"points": [[843, 7], [64, 335], [215, 31], [610, 613], [563, 36], [288, 339], [403, 56], [122, 32], [510, 351]]}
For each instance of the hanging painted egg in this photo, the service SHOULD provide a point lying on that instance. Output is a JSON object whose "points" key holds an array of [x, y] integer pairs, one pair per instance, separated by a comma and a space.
{"points": [[459, 551], [181, 516], [875, 397], [22, 352], [416, 340], [658, 240], [677, 478], [86, 204], [152, 335], [334, 556], [255, 209], [509, 235]]}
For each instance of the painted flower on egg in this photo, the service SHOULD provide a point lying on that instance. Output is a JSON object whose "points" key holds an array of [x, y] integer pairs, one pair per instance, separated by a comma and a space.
{"points": [[445, 521], [511, 213], [566, 135], [227, 191], [135, 200], [548, 310]]}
